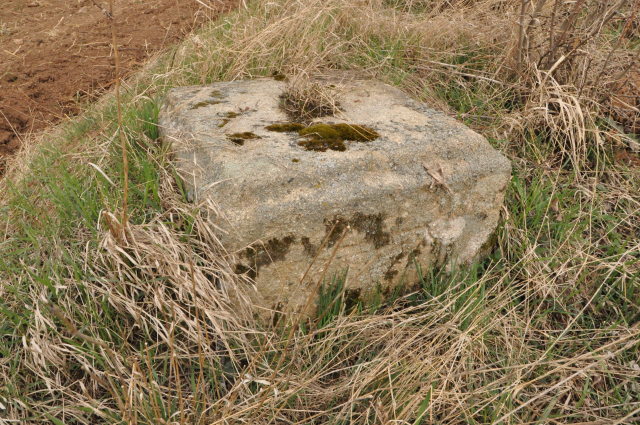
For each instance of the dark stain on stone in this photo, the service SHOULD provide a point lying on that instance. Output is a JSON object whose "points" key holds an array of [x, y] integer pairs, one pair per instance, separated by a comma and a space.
{"points": [[352, 298], [371, 225], [309, 248], [242, 269], [239, 138], [228, 116], [490, 244], [415, 252], [398, 257], [391, 273], [334, 229], [264, 254], [399, 221], [205, 103]]}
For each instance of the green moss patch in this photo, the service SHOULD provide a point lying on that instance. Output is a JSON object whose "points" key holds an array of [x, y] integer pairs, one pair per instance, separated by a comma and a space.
{"points": [[321, 131], [287, 127], [353, 132], [228, 116], [320, 137], [239, 138], [357, 133], [322, 145], [323, 137]]}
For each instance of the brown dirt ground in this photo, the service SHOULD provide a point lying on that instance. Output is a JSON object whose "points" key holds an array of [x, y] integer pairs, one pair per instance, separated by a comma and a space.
{"points": [[56, 54]]}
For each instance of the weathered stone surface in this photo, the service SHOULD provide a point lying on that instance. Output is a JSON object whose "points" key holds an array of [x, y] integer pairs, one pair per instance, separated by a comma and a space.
{"points": [[428, 189]]}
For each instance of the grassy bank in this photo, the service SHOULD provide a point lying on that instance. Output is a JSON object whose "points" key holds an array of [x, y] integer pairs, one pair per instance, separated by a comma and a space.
{"points": [[97, 326]]}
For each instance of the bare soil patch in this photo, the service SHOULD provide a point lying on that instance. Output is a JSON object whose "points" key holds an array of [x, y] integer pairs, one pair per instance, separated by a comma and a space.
{"points": [[56, 54]]}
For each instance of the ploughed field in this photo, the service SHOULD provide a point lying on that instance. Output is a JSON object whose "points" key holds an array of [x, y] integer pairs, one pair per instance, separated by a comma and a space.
{"points": [[55, 55]]}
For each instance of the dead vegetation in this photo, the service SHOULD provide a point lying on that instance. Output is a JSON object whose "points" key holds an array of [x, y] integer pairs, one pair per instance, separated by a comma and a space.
{"points": [[305, 100], [155, 328]]}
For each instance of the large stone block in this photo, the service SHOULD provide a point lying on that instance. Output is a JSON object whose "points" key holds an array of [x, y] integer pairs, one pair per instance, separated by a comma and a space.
{"points": [[427, 191]]}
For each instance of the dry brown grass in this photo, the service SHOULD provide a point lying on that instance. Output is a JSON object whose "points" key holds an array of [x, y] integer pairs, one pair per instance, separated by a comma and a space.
{"points": [[304, 100], [555, 61]]}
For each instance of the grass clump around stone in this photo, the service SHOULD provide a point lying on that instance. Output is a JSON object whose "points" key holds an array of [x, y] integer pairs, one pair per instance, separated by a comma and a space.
{"points": [[304, 100], [143, 326]]}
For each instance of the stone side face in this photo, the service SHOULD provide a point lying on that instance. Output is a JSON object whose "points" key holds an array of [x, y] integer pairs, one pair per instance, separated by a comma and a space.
{"points": [[428, 190]]}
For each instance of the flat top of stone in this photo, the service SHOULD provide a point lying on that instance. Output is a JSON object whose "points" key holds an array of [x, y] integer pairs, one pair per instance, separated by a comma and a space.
{"points": [[417, 146]]}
